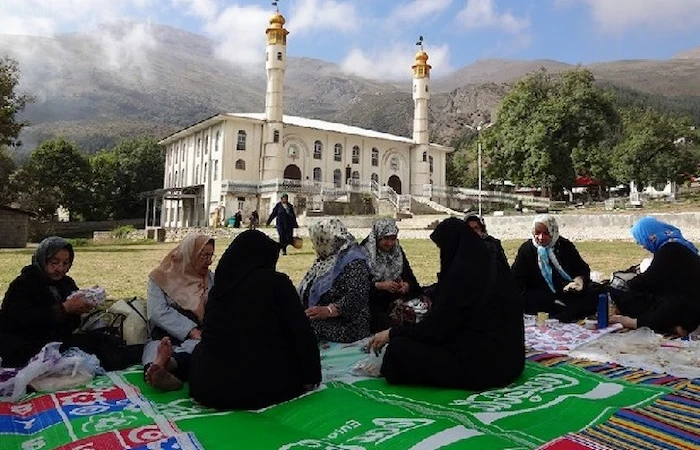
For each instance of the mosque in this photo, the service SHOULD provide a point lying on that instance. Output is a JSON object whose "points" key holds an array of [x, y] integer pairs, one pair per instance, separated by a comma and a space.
{"points": [[232, 161]]}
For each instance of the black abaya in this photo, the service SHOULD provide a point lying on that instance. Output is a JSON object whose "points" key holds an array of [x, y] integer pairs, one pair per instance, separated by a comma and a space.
{"points": [[257, 345], [473, 338]]}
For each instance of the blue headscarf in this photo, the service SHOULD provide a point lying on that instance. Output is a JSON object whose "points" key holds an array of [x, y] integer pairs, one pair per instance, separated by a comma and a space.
{"points": [[546, 258], [652, 234]]}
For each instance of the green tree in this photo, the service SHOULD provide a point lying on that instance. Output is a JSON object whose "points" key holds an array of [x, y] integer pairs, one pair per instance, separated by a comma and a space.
{"points": [[651, 152], [11, 102], [7, 167], [549, 129], [461, 167], [56, 174], [122, 173]]}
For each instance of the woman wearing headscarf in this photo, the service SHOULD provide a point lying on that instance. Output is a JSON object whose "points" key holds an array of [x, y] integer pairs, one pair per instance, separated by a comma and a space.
{"points": [[473, 337], [40, 307], [286, 222], [177, 292], [257, 346], [477, 223], [552, 275], [665, 296], [392, 277], [335, 290]]}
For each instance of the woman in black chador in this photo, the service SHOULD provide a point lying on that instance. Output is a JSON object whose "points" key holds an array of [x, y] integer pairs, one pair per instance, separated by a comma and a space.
{"points": [[473, 337], [257, 346], [286, 222]]}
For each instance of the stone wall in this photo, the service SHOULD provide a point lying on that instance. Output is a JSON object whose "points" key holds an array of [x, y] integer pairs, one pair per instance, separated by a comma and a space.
{"points": [[40, 230], [14, 228]]}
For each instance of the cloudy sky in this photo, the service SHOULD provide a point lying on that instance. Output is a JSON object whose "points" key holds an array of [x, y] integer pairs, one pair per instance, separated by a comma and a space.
{"points": [[379, 35]]}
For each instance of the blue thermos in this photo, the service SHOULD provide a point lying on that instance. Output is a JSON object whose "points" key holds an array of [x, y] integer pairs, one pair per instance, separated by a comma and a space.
{"points": [[602, 311]]}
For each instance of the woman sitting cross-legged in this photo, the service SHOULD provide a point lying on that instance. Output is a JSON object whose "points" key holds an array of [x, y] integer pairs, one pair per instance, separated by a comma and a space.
{"points": [[177, 292], [392, 276], [473, 337], [41, 306], [665, 296], [257, 345], [335, 290], [552, 276]]}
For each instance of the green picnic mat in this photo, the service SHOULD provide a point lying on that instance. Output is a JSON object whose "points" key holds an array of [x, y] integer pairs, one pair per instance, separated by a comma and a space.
{"points": [[360, 413]]}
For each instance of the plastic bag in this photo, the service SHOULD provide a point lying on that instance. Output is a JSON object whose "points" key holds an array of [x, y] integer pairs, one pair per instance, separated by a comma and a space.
{"points": [[369, 366], [135, 325], [14, 387], [67, 373], [94, 295]]}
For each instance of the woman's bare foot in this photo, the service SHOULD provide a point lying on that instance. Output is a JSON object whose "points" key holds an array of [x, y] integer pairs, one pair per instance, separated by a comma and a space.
{"points": [[625, 321], [157, 374]]}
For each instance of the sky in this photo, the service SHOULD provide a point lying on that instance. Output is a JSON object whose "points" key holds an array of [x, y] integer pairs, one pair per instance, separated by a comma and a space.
{"points": [[376, 38]]}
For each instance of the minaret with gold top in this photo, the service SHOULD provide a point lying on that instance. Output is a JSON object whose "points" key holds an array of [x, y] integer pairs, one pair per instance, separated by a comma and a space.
{"points": [[275, 65], [420, 171]]}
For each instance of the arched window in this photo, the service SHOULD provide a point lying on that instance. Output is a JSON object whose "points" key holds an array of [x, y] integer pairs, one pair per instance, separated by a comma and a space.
{"points": [[355, 175], [217, 141], [176, 178], [240, 165], [430, 160], [206, 144], [338, 178], [317, 174], [375, 156], [240, 144], [279, 56], [205, 174], [425, 156], [375, 178], [216, 169], [198, 146], [318, 150], [184, 177], [356, 155], [276, 136], [338, 152]]}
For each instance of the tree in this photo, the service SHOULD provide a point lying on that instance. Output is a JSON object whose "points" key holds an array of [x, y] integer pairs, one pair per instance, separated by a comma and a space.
{"points": [[461, 168], [7, 167], [549, 129], [56, 174], [11, 103], [650, 151], [122, 173]]}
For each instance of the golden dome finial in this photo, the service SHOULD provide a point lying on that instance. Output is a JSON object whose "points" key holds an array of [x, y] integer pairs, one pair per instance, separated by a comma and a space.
{"points": [[421, 68], [276, 33]]}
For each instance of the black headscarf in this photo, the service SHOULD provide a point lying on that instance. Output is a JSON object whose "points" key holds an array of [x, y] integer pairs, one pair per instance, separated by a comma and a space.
{"points": [[47, 249], [251, 250], [465, 263]]}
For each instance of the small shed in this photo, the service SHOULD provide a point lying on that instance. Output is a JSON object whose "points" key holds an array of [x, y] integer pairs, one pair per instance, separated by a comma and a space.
{"points": [[14, 227]]}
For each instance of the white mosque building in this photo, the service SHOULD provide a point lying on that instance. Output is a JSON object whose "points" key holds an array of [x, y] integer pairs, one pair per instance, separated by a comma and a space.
{"points": [[231, 162]]}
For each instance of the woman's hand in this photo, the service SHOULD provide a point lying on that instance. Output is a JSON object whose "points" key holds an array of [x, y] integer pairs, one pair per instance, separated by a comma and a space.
{"points": [[575, 285], [321, 312], [195, 333], [625, 321], [76, 304], [378, 341], [389, 286], [403, 287]]}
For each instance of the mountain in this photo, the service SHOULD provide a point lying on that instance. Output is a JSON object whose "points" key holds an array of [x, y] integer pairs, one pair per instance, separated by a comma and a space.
{"points": [[132, 79]]}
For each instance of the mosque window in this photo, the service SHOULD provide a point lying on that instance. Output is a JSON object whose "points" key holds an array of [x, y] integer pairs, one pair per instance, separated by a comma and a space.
{"points": [[375, 156], [279, 56], [176, 173], [356, 155], [217, 141], [216, 169], [338, 152], [318, 150], [426, 88], [198, 146], [240, 165], [240, 144], [276, 136], [430, 159], [425, 156], [337, 178], [205, 174], [206, 144], [375, 178], [196, 174], [355, 175], [317, 174]]}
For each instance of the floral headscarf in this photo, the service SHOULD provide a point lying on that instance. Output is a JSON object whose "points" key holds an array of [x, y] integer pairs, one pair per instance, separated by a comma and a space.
{"points": [[385, 266], [652, 234], [546, 258], [47, 249], [335, 248]]}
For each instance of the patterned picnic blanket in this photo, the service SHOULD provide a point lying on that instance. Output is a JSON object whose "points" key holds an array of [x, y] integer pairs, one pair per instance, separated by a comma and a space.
{"points": [[562, 337], [350, 413]]}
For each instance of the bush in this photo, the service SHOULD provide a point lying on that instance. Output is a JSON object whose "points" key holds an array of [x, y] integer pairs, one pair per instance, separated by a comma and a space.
{"points": [[122, 232], [79, 242]]}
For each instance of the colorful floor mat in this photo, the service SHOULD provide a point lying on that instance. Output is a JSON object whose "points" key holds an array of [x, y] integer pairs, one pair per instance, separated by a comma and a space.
{"points": [[347, 413]]}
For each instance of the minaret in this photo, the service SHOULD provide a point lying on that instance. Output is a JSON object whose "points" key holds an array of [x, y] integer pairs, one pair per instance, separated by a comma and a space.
{"points": [[275, 64], [420, 168]]}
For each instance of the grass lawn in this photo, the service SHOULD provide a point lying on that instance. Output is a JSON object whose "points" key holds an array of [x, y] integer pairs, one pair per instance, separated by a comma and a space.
{"points": [[123, 269]]}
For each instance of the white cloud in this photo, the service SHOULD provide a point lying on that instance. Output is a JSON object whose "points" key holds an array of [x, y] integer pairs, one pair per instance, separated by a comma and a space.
{"points": [[394, 62], [417, 10], [621, 15], [482, 14], [199, 8], [240, 31], [311, 15]]}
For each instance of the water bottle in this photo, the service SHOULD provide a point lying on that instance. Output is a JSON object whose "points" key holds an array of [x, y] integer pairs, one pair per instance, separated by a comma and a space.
{"points": [[602, 311]]}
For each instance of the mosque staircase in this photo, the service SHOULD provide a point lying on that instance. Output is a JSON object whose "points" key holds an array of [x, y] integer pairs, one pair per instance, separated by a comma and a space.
{"points": [[423, 205]]}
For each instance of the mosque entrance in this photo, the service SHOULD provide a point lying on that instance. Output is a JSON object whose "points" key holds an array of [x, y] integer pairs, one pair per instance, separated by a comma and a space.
{"points": [[292, 172], [395, 183]]}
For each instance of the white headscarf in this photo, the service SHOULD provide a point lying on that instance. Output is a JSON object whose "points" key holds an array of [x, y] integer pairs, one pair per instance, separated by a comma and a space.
{"points": [[546, 258], [385, 266]]}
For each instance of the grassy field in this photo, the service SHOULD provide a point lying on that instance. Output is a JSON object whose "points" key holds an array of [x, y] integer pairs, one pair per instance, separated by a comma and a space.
{"points": [[123, 269]]}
